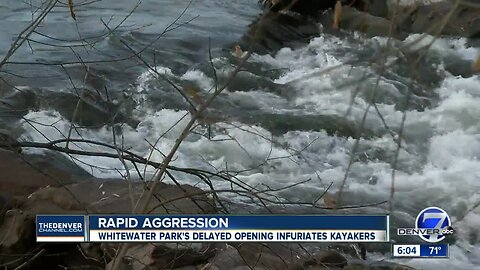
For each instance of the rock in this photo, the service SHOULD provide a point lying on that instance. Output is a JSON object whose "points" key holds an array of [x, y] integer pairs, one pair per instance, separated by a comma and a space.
{"points": [[355, 250], [7, 202], [138, 257], [255, 256], [381, 265], [427, 18], [6, 137], [279, 124], [82, 106], [374, 17], [164, 256], [190, 267], [274, 31], [92, 76], [88, 108], [227, 258], [17, 103], [300, 6], [57, 161], [92, 250], [98, 196], [327, 259], [378, 8], [355, 20], [17, 237], [5, 87], [20, 177], [179, 255], [465, 21]]}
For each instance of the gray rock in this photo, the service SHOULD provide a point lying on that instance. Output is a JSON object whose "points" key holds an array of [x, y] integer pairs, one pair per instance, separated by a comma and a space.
{"points": [[334, 125], [5, 87], [274, 31], [7, 138], [82, 106], [18, 102], [88, 108], [327, 259]]}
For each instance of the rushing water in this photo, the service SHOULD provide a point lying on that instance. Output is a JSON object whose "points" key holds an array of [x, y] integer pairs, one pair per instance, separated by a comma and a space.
{"points": [[284, 108]]}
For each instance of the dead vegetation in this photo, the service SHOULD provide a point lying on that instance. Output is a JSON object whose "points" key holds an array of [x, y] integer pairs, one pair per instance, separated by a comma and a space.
{"points": [[144, 196]]}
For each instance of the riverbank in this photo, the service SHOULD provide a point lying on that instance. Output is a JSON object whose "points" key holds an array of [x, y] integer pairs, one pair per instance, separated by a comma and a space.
{"points": [[52, 186]]}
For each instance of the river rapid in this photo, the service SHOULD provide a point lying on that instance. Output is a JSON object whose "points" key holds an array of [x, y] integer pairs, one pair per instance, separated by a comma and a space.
{"points": [[283, 120]]}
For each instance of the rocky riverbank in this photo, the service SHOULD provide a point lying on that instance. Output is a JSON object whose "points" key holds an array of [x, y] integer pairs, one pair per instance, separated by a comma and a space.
{"points": [[31, 186], [289, 23]]}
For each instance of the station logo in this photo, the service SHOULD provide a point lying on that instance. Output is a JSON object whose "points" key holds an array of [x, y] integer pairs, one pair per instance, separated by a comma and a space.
{"points": [[432, 225]]}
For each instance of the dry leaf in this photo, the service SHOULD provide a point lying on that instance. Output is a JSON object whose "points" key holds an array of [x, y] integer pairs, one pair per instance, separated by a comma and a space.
{"points": [[337, 14], [330, 200], [238, 51], [193, 92], [72, 11], [476, 65]]}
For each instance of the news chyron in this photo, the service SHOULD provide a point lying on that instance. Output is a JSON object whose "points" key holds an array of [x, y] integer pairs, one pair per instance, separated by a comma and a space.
{"points": [[432, 225], [213, 228]]}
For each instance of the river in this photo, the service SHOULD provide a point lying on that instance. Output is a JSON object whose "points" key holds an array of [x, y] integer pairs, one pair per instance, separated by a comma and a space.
{"points": [[282, 121]]}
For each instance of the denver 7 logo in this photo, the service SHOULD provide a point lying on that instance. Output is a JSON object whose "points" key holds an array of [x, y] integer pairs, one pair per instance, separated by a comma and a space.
{"points": [[437, 219]]}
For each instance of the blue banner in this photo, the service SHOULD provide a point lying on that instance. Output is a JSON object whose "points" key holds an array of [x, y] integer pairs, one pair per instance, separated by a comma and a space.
{"points": [[434, 250], [239, 222], [57, 227]]}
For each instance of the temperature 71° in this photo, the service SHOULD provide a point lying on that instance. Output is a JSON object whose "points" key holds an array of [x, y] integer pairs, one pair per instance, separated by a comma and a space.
{"points": [[435, 250]]}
